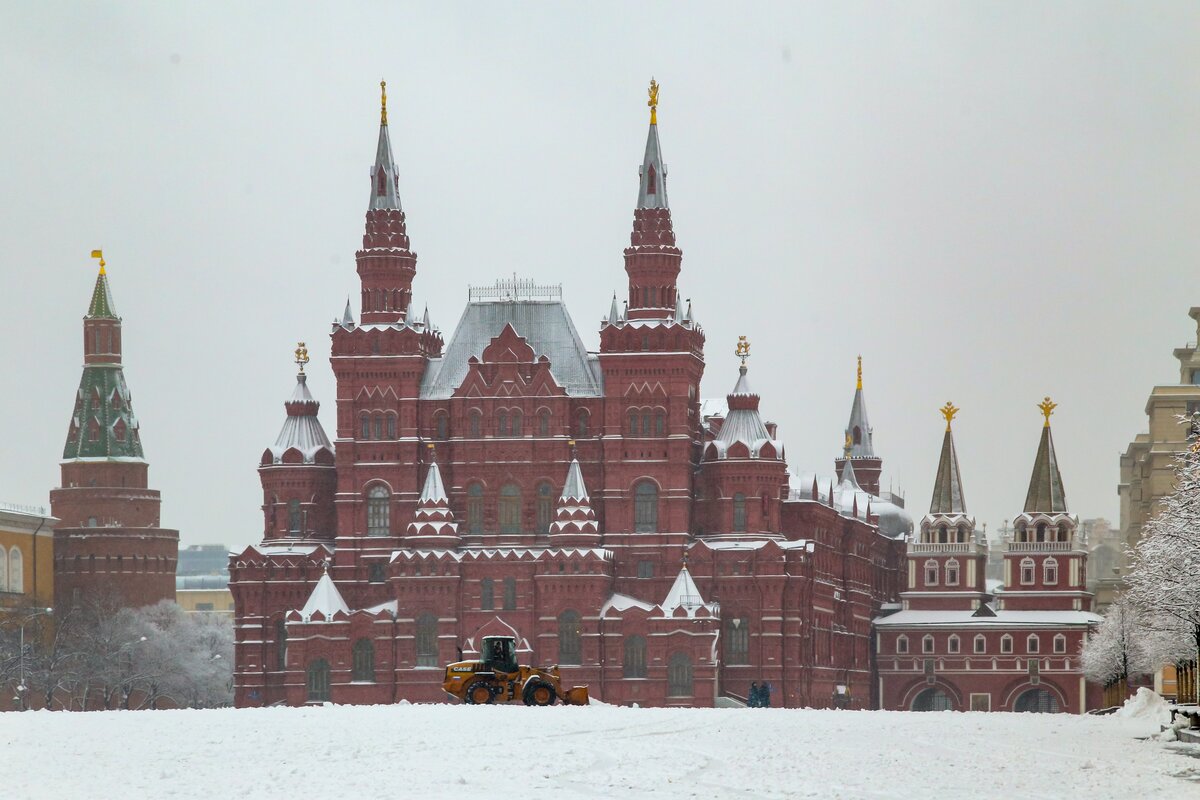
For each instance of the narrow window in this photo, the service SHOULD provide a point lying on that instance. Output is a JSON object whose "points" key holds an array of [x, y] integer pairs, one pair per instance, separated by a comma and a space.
{"points": [[543, 423], [645, 507], [379, 426], [294, 517], [901, 644], [474, 508], [679, 676], [931, 573], [581, 425], [651, 181], [476, 423], [927, 644], [510, 509], [645, 569], [646, 424], [545, 507], [16, 570], [1050, 572], [517, 419], [363, 657], [443, 426], [739, 513], [660, 423], [980, 644], [281, 642], [1027, 571], [737, 641], [569, 640], [366, 426], [635, 657], [633, 423], [952, 644], [1060, 643], [1032, 644], [427, 651], [391, 426], [952, 572], [487, 594], [502, 424], [1006, 643], [510, 594], [378, 516]]}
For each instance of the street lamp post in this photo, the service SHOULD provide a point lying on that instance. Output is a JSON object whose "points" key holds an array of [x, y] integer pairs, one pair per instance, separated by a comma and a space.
{"points": [[21, 687]]}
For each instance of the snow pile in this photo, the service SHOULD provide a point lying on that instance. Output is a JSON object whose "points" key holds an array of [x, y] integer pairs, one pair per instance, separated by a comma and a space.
{"points": [[1147, 705], [569, 753]]}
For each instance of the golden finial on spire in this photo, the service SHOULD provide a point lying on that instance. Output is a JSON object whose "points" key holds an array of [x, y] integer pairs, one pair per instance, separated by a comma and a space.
{"points": [[743, 349], [100, 255], [653, 102], [383, 102], [949, 411], [301, 356], [1047, 406], [859, 386], [848, 446]]}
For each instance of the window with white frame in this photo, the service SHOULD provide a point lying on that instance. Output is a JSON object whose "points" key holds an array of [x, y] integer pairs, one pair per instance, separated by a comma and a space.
{"points": [[927, 644], [931, 573], [1006, 642], [952, 572], [902, 644], [1060, 643], [980, 643], [1050, 571], [1027, 571], [1032, 643], [952, 645], [16, 571]]}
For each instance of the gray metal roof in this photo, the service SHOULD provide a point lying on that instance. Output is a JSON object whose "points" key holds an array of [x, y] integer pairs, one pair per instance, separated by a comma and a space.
{"points": [[547, 327], [1046, 494], [865, 448], [389, 198], [947, 486], [652, 159]]}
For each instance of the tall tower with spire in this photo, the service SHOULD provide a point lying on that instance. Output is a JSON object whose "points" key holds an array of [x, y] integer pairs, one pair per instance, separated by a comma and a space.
{"points": [[109, 547], [386, 264], [859, 445]]}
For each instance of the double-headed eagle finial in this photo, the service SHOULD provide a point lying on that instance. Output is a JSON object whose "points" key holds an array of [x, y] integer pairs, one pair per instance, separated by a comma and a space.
{"points": [[1047, 406], [301, 356], [949, 411], [653, 101], [383, 102], [743, 349]]}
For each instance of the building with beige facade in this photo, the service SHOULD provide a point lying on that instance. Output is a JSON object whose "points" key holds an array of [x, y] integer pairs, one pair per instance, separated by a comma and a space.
{"points": [[1147, 466]]}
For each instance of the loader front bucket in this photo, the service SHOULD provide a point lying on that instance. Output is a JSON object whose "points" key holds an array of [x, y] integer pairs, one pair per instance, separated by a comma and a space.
{"points": [[576, 696]]}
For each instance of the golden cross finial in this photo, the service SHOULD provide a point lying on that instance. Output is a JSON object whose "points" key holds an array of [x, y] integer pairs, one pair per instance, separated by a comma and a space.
{"points": [[949, 411], [859, 373], [653, 102], [383, 102], [743, 349], [100, 255], [1047, 407], [301, 356]]}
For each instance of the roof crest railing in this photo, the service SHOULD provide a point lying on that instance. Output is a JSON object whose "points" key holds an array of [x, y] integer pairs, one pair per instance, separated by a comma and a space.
{"points": [[508, 289], [38, 511]]}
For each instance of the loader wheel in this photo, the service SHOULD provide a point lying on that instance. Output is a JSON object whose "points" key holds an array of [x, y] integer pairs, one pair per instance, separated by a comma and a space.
{"points": [[481, 693], [538, 693]]}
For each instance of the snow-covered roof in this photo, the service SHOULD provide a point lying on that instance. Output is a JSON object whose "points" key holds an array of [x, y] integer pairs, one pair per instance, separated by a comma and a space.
{"points": [[503, 552], [325, 599], [302, 429], [285, 549], [847, 496], [623, 602], [1002, 618], [685, 594]]}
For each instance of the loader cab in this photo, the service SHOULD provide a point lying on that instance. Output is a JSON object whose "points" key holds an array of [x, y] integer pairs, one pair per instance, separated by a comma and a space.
{"points": [[499, 653]]}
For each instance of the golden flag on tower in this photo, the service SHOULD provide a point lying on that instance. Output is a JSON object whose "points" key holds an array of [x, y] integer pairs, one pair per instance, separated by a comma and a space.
{"points": [[97, 254]]}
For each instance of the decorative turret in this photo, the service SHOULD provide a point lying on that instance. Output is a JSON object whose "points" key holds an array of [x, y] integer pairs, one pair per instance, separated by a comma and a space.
{"points": [[684, 598], [1044, 557], [105, 503], [574, 520], [947, 557], [433, 522], [652, 261], [297, 472], [859, 444], [386, 265]]}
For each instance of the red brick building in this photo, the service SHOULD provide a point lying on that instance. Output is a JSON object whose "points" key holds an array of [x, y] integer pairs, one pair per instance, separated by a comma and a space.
{"points": [[110, 546], [957, 645], [511, 481]]}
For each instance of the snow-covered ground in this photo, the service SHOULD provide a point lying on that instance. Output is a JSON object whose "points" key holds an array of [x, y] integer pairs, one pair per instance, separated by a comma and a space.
{"points": [[516, 753]]}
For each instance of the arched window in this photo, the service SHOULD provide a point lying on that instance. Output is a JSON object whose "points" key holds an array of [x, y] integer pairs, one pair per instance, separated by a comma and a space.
{"points": [[427, 649], [581, 424], [378, 522], [391, 425], [570, 646], [737, 640], [281, 641], [932, 700], [1050, 572], [510, 594], [487, 594], [1036, 701], [475, 508], [502, 424], [545, 507], [543, 423], [679, 676], [901, 644], [927, 644], [363, 661], [660, 423], [980, 643], [1060, 643], [952, 572], [476, 424], [1006, 643], [318, 681], [645, 508], [378, 425], [739, 513], [635, 657], [1027, 571], [646, 424], [651, 181], [517, 419], [510, 508], [953, 643], [381, 189], [4, 570], [442, 423], [294, 517], [931, 573], [366, 426], [857, 435], [633, 423], [1032, 643]]}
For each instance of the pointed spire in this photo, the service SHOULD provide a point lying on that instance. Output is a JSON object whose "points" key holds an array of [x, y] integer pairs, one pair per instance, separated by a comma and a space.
{"points": [[434, 491], [947, 485], [1046, 494], [433, 523], [689, 319], [678, 311], [302, 430], [347, 315], [612, 311], [325, 600], [685, 594], [425, 320], [858, 430], [102, 306], [848, 477], [385, 181], [575, 522], [652, 189]]}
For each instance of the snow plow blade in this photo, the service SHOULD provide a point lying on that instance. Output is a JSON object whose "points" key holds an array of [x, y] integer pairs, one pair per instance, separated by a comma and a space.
{"points": [[576, 696]]}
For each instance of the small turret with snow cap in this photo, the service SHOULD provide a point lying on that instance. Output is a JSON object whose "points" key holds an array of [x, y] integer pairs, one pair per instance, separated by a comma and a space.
{"points": [[433, 522], [859, 444], [297, 471], [575, 522]]}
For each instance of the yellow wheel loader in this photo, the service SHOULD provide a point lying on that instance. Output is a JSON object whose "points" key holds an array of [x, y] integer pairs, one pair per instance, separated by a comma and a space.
{"points": [[497, 678]]}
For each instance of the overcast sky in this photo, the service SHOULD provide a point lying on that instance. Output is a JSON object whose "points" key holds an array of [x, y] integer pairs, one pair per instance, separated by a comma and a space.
{"points": [[991, 202]]}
